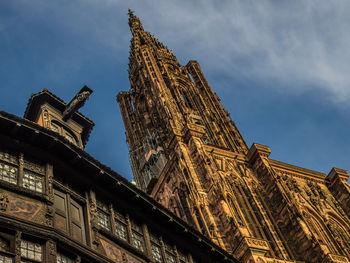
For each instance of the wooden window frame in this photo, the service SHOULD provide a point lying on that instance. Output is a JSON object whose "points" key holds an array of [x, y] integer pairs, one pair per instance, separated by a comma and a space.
{"points": [[68, 215], [34, 242], [22, 165]]}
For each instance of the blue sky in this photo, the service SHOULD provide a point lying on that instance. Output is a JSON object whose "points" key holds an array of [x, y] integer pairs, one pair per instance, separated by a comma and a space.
{"points": [[281, 68]]}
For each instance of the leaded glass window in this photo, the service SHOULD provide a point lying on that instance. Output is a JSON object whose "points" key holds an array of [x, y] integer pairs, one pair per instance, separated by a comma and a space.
{"points": [[8, 173], [103, 220], [170, 258], [5, 259], [60, 258], [31, 250], [137, 240], [169, 253], [156, 252], [137, 235], [121, 230], [32, 181], [182, 257]]}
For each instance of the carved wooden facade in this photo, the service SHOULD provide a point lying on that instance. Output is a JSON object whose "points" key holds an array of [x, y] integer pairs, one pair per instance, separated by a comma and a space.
{"points": [[188, 154], [58, 204]]}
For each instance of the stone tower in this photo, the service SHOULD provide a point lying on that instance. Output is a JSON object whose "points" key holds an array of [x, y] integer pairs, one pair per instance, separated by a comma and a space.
{"points": [[187, 153]]}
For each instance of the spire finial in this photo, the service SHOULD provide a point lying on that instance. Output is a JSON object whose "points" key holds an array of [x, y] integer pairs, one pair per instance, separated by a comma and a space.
{"points": [[134, 21]]}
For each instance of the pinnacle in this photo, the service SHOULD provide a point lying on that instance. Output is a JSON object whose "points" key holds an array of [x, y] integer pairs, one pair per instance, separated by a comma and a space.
{"points": [[134, 21], [131, 13]]}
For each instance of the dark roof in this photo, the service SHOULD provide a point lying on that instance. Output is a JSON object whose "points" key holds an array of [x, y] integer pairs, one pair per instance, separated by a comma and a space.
{"points": [[37, 99], [29, 132]]}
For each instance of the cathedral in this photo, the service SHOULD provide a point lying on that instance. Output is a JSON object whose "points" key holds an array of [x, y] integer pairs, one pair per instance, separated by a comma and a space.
{"points": [[201, 195], [187, 153]]}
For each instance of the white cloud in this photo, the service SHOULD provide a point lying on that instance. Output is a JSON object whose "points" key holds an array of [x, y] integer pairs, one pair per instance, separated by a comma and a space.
{"points": [[298, 45], [294, 46]]}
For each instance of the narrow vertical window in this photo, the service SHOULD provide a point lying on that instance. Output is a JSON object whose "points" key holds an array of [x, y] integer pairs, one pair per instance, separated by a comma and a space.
{"points": [[103, 216], [156, 252], [103, 220], [121, 226], [156, 249], [137, 236], [169, 253]]}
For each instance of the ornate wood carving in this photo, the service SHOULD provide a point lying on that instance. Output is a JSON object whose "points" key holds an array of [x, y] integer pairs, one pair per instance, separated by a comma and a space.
{"points": [[93, 217], [4, 201], [18, 237], [33, 167]]}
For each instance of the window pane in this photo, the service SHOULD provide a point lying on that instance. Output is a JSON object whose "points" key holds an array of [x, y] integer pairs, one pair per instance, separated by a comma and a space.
{"points": [[156, 253], [31, 250], [103, 220], [137, 240], [32, 181], [63, 259], [121, 230], [5, 259], [8, 173], [170, 258]]}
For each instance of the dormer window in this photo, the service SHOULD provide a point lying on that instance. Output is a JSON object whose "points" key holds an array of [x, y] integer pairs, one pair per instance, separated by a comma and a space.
{"points": [[63, 131], [69, 137], [55, 128]]}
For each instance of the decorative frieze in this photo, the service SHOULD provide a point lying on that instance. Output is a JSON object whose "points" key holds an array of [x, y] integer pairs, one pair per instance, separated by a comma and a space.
{"points": [[34, 167], [338, 259], [7, 157], [4, 201], [257, 243]]}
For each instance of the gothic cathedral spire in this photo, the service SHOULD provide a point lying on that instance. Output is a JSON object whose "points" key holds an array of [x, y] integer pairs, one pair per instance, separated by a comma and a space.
{"points": [[187, 153]]}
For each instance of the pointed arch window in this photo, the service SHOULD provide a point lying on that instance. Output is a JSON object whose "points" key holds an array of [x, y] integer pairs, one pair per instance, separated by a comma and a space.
{"points": [[318, 230], [340, 233]]}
